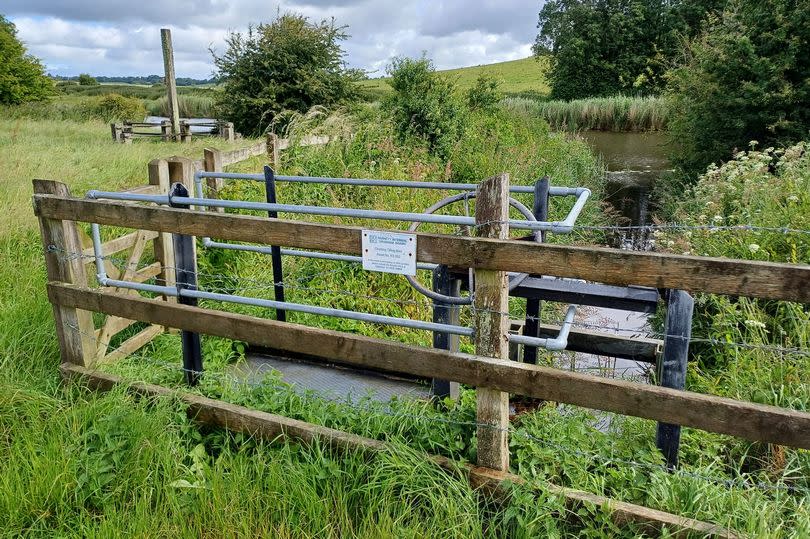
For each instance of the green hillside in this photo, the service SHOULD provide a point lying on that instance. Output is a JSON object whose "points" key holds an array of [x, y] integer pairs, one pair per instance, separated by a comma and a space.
{"points": [[517, 77]]}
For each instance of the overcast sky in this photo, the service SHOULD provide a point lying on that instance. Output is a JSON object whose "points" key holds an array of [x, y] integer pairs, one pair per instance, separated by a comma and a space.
{"points": [[122, 37]]}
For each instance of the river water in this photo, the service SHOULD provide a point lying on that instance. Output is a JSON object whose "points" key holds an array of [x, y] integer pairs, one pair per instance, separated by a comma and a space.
{"points": [[634, 161]]}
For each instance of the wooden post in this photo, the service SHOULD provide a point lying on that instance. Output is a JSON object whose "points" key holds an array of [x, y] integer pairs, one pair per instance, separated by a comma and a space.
{"points": [[491, 327], [117, 132], [181, 169], [671, 368], [165, 130], [212, 162], [63, 263], [445, 284], [159, 176], [227, 131], [273, 150], [171, 84]]}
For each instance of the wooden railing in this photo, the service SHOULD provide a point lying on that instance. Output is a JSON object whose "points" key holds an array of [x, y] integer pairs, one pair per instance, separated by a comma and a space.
{"points": [[57, 211]]}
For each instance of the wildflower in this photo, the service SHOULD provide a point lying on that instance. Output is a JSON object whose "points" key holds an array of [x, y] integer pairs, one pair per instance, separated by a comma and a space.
{"points": [[755, 324], [717, 218], [793, 198], [753, 247]]}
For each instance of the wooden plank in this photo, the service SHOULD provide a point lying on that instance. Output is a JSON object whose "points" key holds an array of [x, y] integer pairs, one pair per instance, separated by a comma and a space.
{"points": [[118, 244], [607, 344], [610, 266], [491, 324], [128, 273], [60, 239], [717, 414], [129, 346], [235, 156], [269, 427]]}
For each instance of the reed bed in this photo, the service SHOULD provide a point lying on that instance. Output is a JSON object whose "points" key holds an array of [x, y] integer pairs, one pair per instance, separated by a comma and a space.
{"points": [[617, 113]]}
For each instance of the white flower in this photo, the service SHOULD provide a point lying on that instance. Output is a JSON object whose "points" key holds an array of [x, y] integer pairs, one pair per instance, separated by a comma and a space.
{"points": [[755, 324], [753, 247], [793, 198], [717, 218]]}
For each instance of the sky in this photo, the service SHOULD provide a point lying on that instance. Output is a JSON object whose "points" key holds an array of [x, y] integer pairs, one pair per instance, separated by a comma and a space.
{"points": [[122, 37]]}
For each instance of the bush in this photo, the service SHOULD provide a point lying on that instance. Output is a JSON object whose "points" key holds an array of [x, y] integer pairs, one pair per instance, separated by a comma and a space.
{"points": [[22, 77], [289, 64], [485, 94], [424, 105], [114, 107], [87, 80], [745, 78]]}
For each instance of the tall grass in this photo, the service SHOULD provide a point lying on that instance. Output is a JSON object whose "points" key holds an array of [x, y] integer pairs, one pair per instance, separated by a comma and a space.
{"points": [[191, 106], [618, 113]]}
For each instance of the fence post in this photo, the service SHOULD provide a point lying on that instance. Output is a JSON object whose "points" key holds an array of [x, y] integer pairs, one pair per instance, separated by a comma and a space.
{"points": [[227, 131], [532, 326], [490, 325], [671, 366], [185, 131], [275, 250], [159, 177], [117, 132], [126, 133], [273, 150], [165, 130], [63, 263], [212, 162], [444, 284], [186, 277]]}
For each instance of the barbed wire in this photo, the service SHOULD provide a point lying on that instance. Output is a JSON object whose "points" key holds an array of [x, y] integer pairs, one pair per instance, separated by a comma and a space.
{"points": [[292, 283], [519, 432]]}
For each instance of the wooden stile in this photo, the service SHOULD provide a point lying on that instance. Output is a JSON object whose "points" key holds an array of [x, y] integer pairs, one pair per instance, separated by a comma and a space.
{"points": [[491, 324]]}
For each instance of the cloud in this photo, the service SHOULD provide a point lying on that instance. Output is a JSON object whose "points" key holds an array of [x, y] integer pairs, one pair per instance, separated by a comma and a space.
{"points": [[123, 38]]}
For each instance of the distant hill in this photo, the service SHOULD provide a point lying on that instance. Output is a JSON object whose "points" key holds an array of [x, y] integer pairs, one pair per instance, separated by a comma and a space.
{"points": [[147, 80], [517, 77]]}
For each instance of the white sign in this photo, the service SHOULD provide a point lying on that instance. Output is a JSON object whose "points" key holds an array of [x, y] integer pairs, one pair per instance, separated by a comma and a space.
{"points": [[389, 252]]}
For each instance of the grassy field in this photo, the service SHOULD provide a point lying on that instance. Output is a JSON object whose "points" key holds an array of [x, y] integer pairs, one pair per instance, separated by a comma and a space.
{"points": [[524, 77], [617, 113], [78, 464]]}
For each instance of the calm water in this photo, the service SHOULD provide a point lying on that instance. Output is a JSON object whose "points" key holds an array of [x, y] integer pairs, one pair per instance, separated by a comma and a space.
{"points": [[634, 162]]}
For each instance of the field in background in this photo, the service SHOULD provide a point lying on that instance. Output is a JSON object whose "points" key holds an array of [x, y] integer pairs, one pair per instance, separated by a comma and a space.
{"points": [[524, 77]]}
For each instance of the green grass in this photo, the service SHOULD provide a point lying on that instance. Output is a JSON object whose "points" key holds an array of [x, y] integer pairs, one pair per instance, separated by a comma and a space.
{"points": [[618, 113], [526, 77]]}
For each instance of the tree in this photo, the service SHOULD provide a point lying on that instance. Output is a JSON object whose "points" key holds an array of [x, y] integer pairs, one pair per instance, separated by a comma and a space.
{"points": [[22, 77], [424, 104], [86, 80], [604, 47], [747, 77], [289, 64]]}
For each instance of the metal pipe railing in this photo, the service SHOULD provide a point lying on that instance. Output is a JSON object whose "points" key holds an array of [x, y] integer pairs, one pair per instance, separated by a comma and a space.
{"points": [[565, 226], [365, 182], [175, 291]]}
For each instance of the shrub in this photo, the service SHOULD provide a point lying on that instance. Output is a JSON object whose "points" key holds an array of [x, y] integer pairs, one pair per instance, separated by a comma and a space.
{"points": [[485, 94], [116, 107], [424, 105], [289, 64], [86, 80], [745, 78]]}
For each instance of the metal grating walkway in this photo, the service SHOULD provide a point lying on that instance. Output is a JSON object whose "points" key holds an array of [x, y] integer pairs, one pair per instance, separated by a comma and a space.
{"points": [[329, 381]]}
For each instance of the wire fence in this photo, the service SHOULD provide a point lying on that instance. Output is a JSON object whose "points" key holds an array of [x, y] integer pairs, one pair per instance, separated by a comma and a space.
{"points": [[228, 283], [363, 406]]}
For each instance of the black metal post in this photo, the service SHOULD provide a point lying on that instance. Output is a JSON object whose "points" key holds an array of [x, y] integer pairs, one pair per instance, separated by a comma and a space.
{"points": [[671, 366], [275, 250], [185, 261], [531, 327], [444, 283]]}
